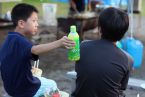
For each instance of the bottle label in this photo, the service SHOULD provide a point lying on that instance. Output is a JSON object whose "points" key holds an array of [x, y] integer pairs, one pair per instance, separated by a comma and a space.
{"points": [[74, 54]]}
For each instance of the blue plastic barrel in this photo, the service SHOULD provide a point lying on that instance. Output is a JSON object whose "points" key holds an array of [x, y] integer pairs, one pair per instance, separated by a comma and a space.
{"points": [[124, 42], [135, 49]]}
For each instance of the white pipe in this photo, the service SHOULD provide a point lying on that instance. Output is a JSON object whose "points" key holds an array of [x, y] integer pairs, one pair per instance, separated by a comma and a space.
{"points": [[132, 22], [34, 64]]}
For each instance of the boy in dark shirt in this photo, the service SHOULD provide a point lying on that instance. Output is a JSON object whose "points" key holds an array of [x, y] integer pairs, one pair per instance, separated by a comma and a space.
{"points": [[17, 52], [103, 69]]}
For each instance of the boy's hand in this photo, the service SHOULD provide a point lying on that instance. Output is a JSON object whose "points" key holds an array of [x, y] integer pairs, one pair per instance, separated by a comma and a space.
{"points": [[66, 42]]}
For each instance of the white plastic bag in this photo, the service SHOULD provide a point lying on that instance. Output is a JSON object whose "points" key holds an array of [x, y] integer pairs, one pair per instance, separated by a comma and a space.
{"points": [[49, 14]]}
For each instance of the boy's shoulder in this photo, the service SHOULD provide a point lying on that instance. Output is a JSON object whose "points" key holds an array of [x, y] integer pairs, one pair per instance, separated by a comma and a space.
{"points": [[15, 40], [16, 37], [15, 34]]}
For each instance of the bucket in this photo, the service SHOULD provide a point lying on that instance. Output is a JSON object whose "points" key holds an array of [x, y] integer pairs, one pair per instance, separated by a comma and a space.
{"points": [[135, 49]]}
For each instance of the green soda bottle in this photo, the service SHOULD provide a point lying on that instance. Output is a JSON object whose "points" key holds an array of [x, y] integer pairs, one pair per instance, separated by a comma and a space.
{"points": [[74, 53]]}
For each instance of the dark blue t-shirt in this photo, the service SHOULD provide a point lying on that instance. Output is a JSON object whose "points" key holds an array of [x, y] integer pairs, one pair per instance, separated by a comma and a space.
{"points": [[15, 60]]}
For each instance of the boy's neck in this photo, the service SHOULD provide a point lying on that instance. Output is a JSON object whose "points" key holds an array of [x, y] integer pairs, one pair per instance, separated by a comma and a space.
{"points": [[114, 43], [21, 31]]}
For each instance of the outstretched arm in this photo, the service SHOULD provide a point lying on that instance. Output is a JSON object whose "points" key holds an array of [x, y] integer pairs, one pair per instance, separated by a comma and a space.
{"points": [[42, 48]]}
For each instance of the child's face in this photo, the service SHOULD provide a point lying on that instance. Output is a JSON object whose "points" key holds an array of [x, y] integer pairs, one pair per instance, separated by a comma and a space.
{"points": [[31, 25]]}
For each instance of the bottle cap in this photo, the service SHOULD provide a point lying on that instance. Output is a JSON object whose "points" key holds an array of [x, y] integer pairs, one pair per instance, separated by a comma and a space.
{"points": [[73, 28]]}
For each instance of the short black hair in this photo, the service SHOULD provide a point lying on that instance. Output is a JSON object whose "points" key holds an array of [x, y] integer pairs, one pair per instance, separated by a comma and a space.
{"points": [[113, 23], [22, 11]]}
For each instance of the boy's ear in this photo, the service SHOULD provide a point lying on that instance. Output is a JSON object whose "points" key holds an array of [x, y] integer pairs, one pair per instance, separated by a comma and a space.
{"points": [[21, 23]]}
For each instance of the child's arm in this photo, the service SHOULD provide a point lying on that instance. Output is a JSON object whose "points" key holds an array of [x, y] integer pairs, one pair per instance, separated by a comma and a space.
{"points": [[42, 48]]}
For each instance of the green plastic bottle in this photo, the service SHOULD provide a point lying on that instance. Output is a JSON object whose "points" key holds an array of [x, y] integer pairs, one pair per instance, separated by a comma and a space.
{"points": [[74, 53]]}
